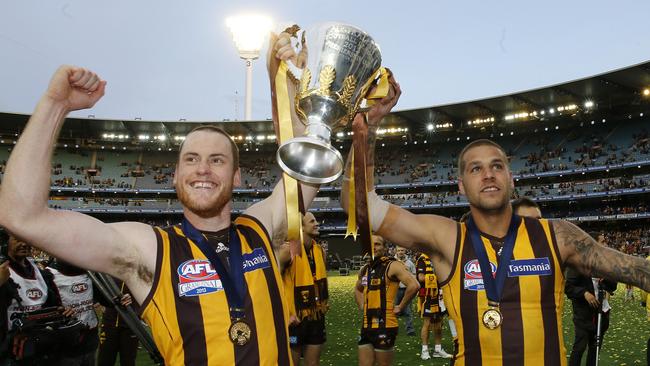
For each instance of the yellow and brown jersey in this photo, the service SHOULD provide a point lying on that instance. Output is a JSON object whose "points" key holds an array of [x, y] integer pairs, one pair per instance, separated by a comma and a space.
{"points": [[188, 311], [531, 304], [428, 295], [379, 293]]}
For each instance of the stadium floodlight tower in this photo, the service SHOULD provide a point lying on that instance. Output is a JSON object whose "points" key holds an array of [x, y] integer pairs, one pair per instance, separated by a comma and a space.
{"points": [[249, 33]]}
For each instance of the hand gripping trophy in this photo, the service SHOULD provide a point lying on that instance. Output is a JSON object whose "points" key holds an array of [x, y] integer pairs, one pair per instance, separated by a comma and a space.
{"points": [[346, 63]]}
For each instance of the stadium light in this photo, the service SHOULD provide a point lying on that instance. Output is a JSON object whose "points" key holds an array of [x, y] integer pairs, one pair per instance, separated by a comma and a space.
{"points": [[249, 33], [646, 92], [589, 104], [430, 127]]}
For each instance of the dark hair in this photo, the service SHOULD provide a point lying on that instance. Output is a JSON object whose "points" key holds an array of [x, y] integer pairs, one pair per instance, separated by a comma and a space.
{"points": [[473, 144], [523, 202], [233, 147]]}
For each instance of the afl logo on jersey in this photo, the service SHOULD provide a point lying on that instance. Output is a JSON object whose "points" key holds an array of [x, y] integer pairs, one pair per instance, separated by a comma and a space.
{"points": [[473, 276], [34, 294], [197, 277], [78, 288]]}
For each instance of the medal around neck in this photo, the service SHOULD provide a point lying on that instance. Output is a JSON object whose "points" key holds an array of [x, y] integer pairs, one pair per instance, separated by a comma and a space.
{"points": [[492, 318], [239, 332]]}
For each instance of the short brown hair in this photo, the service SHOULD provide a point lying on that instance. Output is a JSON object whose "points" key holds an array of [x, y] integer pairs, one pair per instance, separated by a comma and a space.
{"points": [[233, 147], [523, 202], [473, 144]]}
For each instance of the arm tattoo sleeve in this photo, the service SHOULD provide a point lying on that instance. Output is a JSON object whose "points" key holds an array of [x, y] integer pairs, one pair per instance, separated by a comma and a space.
{"points": [[593, 259]]}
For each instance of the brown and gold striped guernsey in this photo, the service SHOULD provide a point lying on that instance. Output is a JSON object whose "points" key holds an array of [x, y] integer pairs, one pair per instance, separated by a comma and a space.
{"points": [[379, 295], [187, 308], [532, 301]]}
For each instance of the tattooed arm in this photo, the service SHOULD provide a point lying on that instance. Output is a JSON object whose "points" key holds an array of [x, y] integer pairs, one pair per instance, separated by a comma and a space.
{"points": [[580, 251]]}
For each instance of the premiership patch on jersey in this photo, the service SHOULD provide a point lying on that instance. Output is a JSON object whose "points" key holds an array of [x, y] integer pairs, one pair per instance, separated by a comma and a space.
{"points": [[255, 260], [197, 277], [530, 267], [473, 277]]}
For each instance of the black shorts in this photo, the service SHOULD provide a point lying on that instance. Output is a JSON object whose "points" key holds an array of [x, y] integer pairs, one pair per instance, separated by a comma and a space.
{"points": [[308, 332], [380, 339], [425, 308]]}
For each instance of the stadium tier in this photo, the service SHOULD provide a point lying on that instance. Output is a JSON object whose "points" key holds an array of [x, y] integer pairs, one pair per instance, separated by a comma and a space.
{"points": [[580, 149]]}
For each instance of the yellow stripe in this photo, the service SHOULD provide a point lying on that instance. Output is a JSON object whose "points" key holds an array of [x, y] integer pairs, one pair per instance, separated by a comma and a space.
{"points": [[451, 291], [261, 300], [256, 278], [490, 339], [213, 327], [531, 304], [163, 298], [559, 287]]}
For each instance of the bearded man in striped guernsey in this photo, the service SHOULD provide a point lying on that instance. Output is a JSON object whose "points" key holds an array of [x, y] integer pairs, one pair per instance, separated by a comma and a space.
{"points": [[522, 324], [182, 297]]}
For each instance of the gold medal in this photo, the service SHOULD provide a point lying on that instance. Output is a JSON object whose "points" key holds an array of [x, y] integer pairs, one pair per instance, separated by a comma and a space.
{"points": [[239, 332], [492, 318]]}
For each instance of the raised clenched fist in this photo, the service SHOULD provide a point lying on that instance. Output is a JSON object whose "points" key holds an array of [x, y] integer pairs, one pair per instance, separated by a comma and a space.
{"points": [[75, 88]]}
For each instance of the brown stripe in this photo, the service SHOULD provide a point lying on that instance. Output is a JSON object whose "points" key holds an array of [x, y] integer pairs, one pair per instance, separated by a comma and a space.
{"points": [[359, 144], [249, 354], [555, 247], [468, 310], [541, 249], [277, 308], [156, 273], [188, 308], [512, 329]]}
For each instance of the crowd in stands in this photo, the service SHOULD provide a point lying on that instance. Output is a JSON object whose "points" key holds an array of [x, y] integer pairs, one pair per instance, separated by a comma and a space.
{"points": [[395, 163], [634, 242]]}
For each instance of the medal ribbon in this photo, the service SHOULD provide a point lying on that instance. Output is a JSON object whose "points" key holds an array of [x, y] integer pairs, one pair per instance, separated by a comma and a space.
{"points": [[285, 133], [358, 216], [494, 286], [233, 282]]}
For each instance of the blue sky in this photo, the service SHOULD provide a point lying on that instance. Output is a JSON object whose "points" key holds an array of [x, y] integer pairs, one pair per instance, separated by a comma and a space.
{"points": [[167, 60]]}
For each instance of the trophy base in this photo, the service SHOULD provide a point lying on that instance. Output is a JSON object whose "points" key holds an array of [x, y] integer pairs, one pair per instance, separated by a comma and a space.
{"points": [[310, 160]]}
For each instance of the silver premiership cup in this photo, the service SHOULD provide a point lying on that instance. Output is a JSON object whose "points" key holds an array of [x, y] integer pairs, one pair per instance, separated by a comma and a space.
{"points": [[346, 61]]}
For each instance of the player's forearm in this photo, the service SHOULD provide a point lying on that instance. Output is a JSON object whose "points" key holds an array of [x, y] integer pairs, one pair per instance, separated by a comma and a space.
{"points": [[370, 158], [26, 183], [595, 260], [358, 298]]}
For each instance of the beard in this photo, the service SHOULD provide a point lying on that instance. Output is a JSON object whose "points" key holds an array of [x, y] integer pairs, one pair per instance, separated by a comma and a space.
{"points": [[491, 206], [205, 208]]}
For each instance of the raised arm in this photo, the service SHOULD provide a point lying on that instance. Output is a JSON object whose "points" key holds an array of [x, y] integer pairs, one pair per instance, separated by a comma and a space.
{"points": [[580, 251], [272, 211], [390, 221], [74, 237]]}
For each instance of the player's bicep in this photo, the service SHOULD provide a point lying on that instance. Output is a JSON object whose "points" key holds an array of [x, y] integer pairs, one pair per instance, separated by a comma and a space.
{"points": [[79, 239], [410, 231]]}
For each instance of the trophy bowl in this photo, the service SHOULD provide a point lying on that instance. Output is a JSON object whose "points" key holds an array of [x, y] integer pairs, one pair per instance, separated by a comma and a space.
{"points": [[346, 61]]}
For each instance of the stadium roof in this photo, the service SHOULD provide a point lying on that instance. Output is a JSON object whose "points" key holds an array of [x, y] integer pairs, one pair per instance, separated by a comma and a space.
{"points": [[620, 91]]}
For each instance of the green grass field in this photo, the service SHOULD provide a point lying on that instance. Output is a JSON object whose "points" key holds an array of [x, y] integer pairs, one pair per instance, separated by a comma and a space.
{"points": [[624, 344]]}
